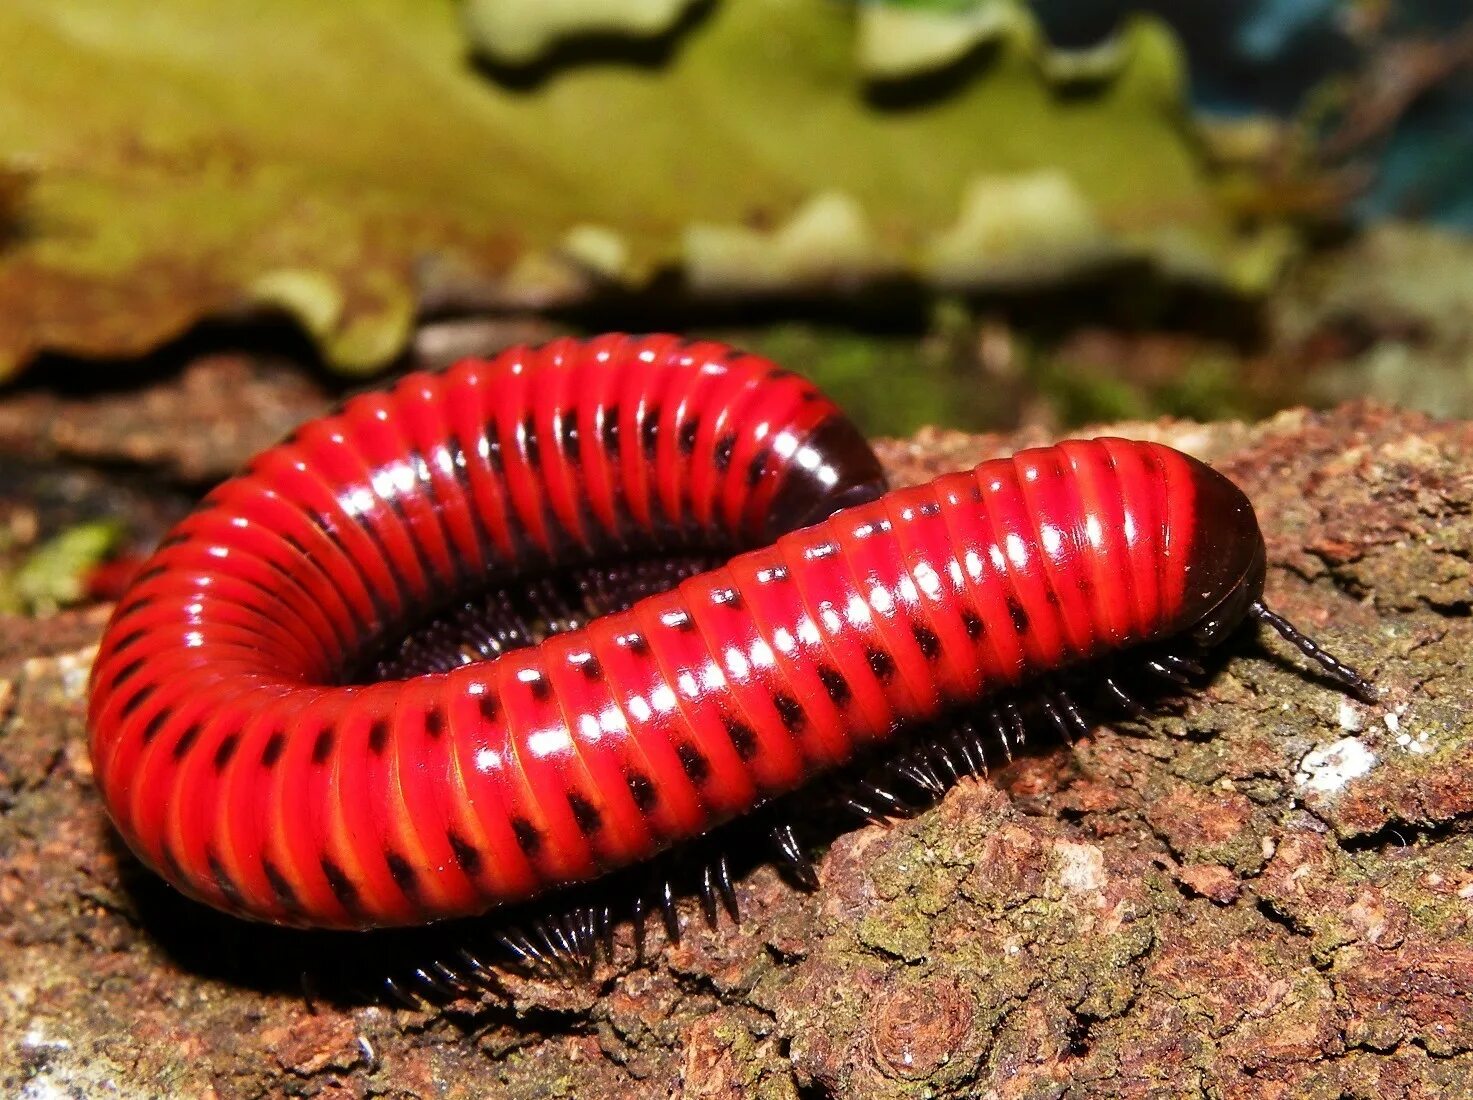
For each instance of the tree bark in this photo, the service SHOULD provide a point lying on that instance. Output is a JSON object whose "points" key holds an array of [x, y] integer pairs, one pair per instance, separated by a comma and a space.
{"points": [[1263, 892]]}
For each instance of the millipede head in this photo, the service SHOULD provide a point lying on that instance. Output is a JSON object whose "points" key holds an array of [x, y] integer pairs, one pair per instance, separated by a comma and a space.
{"points": [[1337, 669]]}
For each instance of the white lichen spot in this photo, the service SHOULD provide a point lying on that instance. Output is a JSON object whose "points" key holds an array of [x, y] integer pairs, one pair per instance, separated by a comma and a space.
{"points": [[1329, 768], [43, 1088], [1408, 741], [35, 1039], [1352, 718], [1081, 867], [75, 670]]}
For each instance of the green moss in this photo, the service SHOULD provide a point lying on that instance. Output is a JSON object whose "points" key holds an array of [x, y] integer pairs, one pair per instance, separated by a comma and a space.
{"points": [[341, 161], [55, 573]]}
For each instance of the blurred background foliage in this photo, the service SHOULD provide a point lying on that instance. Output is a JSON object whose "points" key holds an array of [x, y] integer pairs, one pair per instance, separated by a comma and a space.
{"points": [[977, 213]]}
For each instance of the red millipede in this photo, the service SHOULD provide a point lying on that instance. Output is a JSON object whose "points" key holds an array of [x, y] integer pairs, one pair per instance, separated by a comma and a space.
{"points": [[242, 758]]}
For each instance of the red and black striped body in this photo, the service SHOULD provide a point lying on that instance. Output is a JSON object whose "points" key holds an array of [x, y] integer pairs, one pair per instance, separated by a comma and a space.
{"points": [[236, 760]]}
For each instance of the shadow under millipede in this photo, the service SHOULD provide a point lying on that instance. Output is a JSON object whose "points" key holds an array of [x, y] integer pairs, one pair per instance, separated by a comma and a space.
{"points": [[464, 957]]}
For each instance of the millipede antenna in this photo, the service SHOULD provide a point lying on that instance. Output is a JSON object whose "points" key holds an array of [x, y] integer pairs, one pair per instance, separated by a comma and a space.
{"points": [[1311, 649]]}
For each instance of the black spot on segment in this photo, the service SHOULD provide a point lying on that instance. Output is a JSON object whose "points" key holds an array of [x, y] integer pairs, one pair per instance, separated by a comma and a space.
{"points": [[434, 722], [756, 468], [649, 431], [678, 620], [567, 426], [642, 790], [465, 853], [608, 431], [170, 862], [529, 440], [926, 639], [743, 737], [835, 684], [687, 437], [225, 751], [130, 669], [403, 873], [973, 624], [378, 736], [592, 669], [528, 838], [222, 878], [136, 700], [880, 663], [154, 724], [789, 710], [585, 814], [930, 508], [275, 745], [696, 766], [322, 747], [636, 643], [1018, 615], [722, 455], [729, 597], [186, 742], [279, 885], [127, 640], [539, 687], [340, 884], [490, 708]]}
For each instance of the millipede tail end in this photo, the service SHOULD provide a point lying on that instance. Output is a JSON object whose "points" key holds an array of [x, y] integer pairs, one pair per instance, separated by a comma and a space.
{"points": [[1358, 685]]}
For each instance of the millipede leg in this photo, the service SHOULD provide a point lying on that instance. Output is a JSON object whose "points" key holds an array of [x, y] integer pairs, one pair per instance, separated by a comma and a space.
{"points": [[1071, 712], [943, 761], [968, 744], [918, 775], [1127, 702], [1015, 720], [515, 944], [999, 724], [637, 922], [606, 931], [708, 894], [725, 889], [427, 976], [793, 856], [398, 993], [1055, 715], [1166, 672], [478, 969], [1182, 664], [669, 912], [863, 811]]}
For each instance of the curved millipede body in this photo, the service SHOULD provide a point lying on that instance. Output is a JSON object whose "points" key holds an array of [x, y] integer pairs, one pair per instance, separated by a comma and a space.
{"points": [[241, 758]]}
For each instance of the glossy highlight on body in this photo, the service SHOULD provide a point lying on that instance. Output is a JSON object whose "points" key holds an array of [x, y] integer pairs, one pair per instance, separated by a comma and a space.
{"points": [[241, 759]]}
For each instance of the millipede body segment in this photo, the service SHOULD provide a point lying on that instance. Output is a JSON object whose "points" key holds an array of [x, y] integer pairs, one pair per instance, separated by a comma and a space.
{"points": [[241, 756]]}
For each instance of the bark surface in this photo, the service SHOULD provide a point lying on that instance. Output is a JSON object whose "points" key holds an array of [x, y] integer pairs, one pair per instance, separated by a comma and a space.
{"points": [[1265, 892]]}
